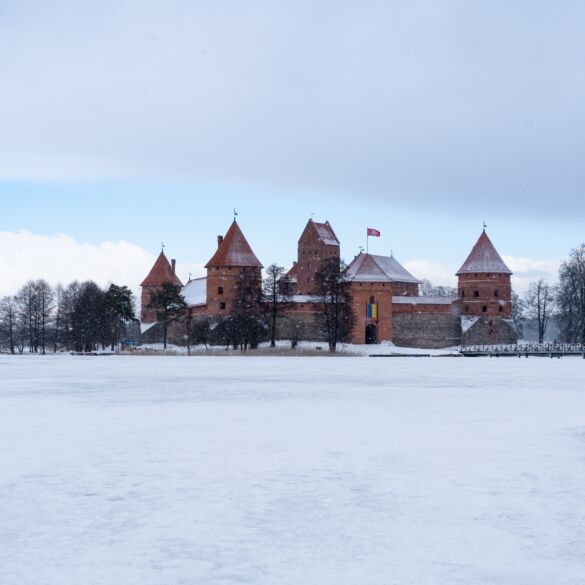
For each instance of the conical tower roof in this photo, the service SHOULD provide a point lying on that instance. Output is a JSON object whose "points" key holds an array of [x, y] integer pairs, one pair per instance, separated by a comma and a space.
{"points": [[234, 250], [161, 272], [484, 258]]}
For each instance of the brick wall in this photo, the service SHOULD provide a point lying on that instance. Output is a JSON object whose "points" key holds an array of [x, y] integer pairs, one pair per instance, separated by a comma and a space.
{"points": [[485, 295], [311, 252]]}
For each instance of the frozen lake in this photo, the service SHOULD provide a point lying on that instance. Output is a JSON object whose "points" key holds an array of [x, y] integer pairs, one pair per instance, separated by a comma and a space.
{"points": [[291, 471]]}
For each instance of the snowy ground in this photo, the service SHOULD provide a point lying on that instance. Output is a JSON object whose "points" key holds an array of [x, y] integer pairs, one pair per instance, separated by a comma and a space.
{"points": [[291, 471]]}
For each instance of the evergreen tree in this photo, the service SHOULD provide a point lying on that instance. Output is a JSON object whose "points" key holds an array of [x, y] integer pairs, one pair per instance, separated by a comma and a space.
{"points": [[169, 305], [119, 306]]}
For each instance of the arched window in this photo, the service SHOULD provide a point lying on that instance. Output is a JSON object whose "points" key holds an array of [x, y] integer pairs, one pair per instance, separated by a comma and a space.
{"points": [[372, 300], [221, 306], [484, 309], [220, 290], [476, 294]]}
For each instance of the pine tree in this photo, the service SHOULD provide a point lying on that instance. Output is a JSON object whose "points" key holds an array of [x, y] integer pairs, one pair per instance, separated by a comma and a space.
{"points": [[119, 306], [169, 305]]}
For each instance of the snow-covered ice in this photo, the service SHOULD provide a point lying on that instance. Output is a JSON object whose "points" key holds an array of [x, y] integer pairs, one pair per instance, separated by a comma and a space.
{"points": [[277, 471]]}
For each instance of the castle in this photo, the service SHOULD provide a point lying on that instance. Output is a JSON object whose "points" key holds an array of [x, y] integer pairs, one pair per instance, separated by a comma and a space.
{"points": [[386, 302]]}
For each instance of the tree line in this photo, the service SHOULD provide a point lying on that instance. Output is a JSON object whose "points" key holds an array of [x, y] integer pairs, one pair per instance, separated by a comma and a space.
{"points": [[79, 317], [562, 303], [83, 317]]}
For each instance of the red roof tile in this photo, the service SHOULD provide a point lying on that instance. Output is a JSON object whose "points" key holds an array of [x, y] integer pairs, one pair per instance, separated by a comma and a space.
{"points": [[161, 272], [484, 258], [234, 250]]}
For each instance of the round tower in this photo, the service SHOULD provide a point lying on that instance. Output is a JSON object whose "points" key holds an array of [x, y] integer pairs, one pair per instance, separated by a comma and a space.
{"points": [[162, 271], [232, 260], [484, 285]]}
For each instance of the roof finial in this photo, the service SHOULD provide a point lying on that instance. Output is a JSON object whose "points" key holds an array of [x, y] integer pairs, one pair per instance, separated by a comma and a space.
{"points": [[235, 214], [190, 276], [361, 249], [162, 246], [312, 215], [484, 225], [391, 253]]}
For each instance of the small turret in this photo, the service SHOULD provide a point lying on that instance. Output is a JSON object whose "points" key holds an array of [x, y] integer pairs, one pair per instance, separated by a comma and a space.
{"points": [[484, 283], [162, 271]]}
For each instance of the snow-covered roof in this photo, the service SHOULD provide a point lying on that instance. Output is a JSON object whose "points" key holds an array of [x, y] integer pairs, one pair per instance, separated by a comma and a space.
{"points": [[161, 272], [144, 327], [304, 299], [406, 300], [372, 268], [234, 250], [326, 233], [484, 258], [195, 292]]}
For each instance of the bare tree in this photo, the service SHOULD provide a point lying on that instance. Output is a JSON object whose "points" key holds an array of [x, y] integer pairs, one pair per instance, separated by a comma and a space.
{"points": [[518, 317], [571, 296], [428, 289], [8, 318], [539, 304], [334, 297], [276, 291]]}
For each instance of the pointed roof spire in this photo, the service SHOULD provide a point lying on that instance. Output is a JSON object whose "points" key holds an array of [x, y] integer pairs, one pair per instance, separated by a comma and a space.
{"points": [[160, 272], [484, 258], [234, 250]]}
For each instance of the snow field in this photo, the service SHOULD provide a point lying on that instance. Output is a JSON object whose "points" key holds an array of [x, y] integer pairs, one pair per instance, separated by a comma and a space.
{"points": [[211, 470]]}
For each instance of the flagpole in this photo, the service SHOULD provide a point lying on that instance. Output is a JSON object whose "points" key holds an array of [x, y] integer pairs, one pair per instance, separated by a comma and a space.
{"points": [[367, 243]]}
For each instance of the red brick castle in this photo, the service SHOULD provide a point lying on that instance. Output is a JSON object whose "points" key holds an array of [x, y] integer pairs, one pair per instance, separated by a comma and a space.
{"points": [[386, 302]]}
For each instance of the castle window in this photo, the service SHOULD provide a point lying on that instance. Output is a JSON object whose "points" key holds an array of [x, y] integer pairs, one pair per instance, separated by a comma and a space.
{"points": [[462, 293], [501, 309], [372, 300], [220, 290], [496, 294], [484, 309], [221, 306], [467, 308], [476, 294]]}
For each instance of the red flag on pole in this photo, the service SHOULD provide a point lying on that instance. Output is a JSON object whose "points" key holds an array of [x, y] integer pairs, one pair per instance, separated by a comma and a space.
{"points": [[373, 232]]}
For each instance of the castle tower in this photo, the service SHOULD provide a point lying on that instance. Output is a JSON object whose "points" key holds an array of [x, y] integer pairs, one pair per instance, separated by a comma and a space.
{"points": [[484, 284], [162, 271], [233, 257], [317, 242], [375, 280]]}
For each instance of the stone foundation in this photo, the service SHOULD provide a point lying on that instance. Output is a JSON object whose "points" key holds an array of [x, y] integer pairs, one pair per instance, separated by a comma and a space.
{"points": [[485, 331], [426, 330]]}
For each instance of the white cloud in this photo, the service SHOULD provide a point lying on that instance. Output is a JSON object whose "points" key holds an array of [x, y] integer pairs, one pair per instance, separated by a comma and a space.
{"points": [[527, 270], [60, 258], [437, 273]]}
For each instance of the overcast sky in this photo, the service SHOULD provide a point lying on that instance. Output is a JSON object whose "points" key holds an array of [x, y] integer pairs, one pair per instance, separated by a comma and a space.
{"points": [[137, 122]]}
